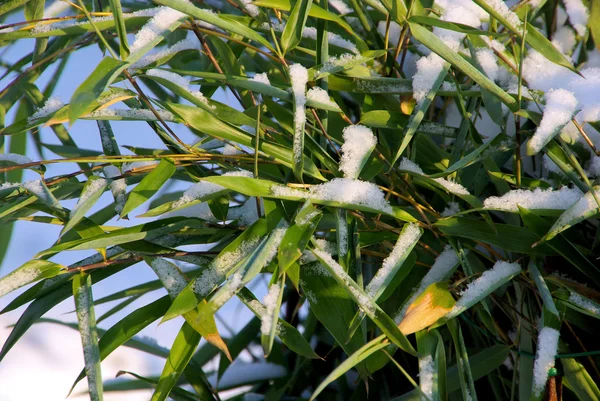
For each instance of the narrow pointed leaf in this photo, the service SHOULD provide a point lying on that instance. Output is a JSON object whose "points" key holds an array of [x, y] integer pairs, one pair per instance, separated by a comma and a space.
{"points": [[82, 292]]}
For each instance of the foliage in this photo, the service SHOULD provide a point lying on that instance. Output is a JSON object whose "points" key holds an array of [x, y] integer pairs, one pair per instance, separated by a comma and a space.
{"points": [[419, 241]]}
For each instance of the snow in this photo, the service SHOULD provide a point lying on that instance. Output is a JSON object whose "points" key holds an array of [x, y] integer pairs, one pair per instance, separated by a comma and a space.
{"points": [[430, 67], [487, 59], [543, 75], [15, 158], [547, 348], [18, 278], [450, 186], [356, 192], [578, 15], [134, 114], [263, 78], [8, 185], [233, 285], [593, 169], [273, 243], [218, 268], [185, 44], [406, 241], [560, 107], [578, 300], [38, 188], [332, 39], [251, 8], [441, 268], [558, 199], [323, 244], [89, 340], [155, 27], [564, 39], [247, 213], [494, 44], [342, 233], [198, 190], [358, 144], [51, 105], [169, 275], [484, 285], [179, 81], [91, 189], [346, 60], [585, 205], [118, 187], [43, 27], [138, 165], [426, 375], [299, 78], [341, 190], [56, 8], [230, 150], [364, 302], [341, 6], [501, 8], [320, 95], [270, 300], [451, 209]]}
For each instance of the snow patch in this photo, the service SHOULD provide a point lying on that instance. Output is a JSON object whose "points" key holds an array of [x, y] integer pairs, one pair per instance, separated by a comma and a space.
{"points": [[358, 144], [547, 348], [559, 199]]}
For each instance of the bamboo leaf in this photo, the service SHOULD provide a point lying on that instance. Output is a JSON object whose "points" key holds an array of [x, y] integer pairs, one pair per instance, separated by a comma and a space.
{"points": [[92, 190], [292, 33], [440, 48], [149, 185], [90, 90], [181, 353], [82, 292]]}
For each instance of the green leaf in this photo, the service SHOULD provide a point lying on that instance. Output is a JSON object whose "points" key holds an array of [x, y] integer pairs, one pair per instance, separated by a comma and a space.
{"points": [[221, 267], [465, 374], [124, 330], [272, 310], [82, 292], [297, 236], [508, 237], [205, 122], [360, 355], [208, 16], [583, 209], [89, 91], [288, 334], [181, 353], [92, 190], [542, 288], [115, 7], [264, 188], [579, 380], [375, 313], [151, 183], [27, 273], [292, 33], [437, 46], [419, 113]]}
